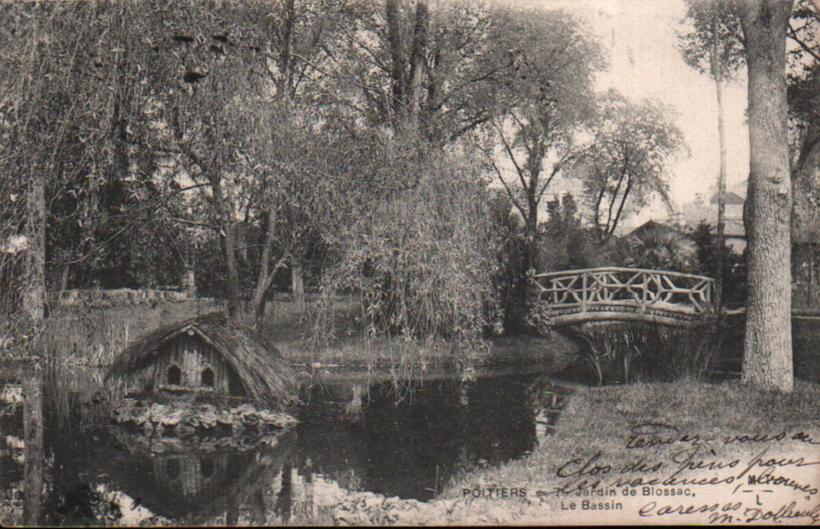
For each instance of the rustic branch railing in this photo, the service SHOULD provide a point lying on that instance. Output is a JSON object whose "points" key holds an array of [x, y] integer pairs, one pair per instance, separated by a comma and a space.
{"points": [[625, 289]]}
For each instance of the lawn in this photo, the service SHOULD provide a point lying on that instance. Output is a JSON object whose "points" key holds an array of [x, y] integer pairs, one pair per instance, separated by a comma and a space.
{"points": [[735, 421]]}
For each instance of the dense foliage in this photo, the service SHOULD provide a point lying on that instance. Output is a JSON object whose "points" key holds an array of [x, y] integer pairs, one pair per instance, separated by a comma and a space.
{"points": [[421, 259], [734, 287], [344, 145]]}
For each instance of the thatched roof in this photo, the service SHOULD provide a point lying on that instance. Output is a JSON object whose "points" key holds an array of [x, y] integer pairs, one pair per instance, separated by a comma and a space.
{"points": [[267, 379]]}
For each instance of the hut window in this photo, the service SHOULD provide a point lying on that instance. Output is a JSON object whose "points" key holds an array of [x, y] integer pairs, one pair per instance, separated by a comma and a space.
{"points": [[174, 375], [172, 468], [207, 377]]}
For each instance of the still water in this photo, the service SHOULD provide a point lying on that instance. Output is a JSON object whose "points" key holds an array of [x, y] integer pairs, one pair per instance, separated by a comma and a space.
{"points": [[61, 463]]}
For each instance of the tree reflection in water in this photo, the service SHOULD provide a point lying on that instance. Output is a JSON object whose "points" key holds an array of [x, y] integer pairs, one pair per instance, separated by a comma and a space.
{"points": [[33, 452]]}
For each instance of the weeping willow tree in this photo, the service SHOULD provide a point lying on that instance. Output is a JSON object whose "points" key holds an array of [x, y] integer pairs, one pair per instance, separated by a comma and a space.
{"points": [[420, 255], [71, 110], [39, 44]]}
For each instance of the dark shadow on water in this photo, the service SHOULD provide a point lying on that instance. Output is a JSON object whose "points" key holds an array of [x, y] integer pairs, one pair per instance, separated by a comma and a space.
{"points": [[410, 448]]}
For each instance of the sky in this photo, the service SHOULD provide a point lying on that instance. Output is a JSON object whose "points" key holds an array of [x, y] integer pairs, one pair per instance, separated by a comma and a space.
{"points": [[640, 39]]}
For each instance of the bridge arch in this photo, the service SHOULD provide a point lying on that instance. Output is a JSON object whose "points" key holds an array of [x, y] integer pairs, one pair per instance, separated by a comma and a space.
{"points": [[612, 294]]}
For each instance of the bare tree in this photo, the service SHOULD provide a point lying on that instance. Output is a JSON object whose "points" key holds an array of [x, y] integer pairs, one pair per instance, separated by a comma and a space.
{"points": [[626, 161], [550, 93]]}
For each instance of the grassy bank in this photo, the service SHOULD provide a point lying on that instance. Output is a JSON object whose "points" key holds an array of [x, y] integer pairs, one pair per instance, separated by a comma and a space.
{"points": [[599, 421], [95, 335], [710, 422]]}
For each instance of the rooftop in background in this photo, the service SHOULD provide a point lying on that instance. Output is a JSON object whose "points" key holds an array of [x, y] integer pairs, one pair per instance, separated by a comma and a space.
{"points": [[658, 228], [731, 198], [696, 211]]}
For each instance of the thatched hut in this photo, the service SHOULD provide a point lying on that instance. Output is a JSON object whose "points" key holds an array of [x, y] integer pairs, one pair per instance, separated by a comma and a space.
{"points": [[206, 355]]}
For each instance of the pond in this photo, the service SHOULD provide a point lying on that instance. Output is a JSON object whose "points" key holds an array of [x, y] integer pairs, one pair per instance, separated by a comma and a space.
{"points": [[61, 463]]}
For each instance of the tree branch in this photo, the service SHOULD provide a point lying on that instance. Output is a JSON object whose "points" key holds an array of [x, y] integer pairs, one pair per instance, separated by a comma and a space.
{"points": [[793, 35], [509, 191], [511, 155]]}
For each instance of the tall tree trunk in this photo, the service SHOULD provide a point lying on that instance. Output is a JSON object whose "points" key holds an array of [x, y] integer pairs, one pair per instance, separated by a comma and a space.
{"points": [[285, 56], [241, 242], [717, 75], [767, 360], [234, 293], [535, 159], [621, 206], [228, 248], [806, 186], [532, 231], [35, 288], [265, 278], [189, 262], [597, 210], [297, 283], [189, 281], [65, 273], [417, 59], [393, 21], [806, 217], [610, 209]]}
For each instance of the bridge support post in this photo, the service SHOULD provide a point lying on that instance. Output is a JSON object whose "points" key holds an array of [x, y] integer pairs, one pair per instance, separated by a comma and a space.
{"points": [[644, 292], [584, 292]]}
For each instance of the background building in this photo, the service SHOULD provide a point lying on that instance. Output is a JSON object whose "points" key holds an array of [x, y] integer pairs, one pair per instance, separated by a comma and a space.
{"points": [[703, 210]]}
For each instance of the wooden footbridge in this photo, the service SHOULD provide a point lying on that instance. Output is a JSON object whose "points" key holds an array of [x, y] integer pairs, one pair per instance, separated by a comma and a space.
{"points": [[612, 294]]}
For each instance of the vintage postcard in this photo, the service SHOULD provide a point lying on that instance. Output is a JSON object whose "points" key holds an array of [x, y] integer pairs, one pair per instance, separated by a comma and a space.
{"points": [[409, 262]]}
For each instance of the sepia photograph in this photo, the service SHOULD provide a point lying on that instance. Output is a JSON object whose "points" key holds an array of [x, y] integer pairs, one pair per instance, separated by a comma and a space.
{"points": [[409, 262]]}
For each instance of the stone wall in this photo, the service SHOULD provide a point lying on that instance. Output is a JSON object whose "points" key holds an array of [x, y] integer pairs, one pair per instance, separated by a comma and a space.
{"points": [[119, 296]]}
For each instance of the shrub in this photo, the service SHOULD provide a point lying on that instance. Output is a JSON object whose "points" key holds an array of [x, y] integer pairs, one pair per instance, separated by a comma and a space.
{"points": [[628, 353], [565, 244], [734, 269]]}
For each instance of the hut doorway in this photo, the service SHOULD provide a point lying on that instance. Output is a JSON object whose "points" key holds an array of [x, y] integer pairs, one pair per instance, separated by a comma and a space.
{"points": [[206, 467]]}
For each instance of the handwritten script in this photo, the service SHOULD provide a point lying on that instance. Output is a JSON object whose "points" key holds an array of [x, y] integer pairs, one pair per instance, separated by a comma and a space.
{"points": [[670, 475]]}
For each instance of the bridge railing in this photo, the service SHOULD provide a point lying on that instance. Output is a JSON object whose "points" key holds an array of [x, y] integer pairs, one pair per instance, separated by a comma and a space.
{"points": [[633, 288]]}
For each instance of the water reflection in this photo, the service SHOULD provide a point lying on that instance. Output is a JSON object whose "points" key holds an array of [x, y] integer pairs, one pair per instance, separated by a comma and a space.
{"points": [[61, 464], [33, 449]]}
